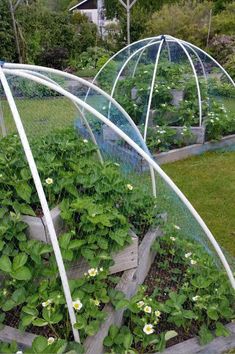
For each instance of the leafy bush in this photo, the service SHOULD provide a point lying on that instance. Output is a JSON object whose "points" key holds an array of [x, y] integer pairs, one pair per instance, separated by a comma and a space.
{"points": [[92, 58], [219, 122]]}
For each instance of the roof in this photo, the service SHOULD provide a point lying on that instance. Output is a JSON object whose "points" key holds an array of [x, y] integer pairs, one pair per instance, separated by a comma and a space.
{"points": [[79, 4]]}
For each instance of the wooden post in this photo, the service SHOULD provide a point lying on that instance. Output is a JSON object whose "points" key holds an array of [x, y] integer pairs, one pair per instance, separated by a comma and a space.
{"points": [[12, 11], [2, 123], [128, 7], [209, 29]]}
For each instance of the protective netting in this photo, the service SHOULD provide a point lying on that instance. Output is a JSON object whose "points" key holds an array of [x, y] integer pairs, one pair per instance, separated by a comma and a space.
{"points": [[98, 187], [173, 90]]}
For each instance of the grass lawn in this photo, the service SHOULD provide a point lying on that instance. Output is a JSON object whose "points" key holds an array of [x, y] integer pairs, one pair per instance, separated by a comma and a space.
{"points": [[208, 181], [42, 115]]}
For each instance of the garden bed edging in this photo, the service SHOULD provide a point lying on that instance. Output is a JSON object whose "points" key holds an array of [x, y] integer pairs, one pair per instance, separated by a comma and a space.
{"points": [[192, 346], [193, 150]]}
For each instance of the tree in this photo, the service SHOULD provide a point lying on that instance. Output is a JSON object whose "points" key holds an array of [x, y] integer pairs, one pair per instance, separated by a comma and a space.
{"points": [[191, 21], [7, 44]]}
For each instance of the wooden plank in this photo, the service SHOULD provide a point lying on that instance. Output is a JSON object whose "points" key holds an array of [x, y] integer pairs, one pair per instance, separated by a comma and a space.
{"points": [[8, 334], [123, 260], [218, 346], [128, 284]]}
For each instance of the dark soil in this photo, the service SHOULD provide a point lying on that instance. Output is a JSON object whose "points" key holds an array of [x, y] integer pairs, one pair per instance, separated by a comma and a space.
{"points": [[12, 319]]}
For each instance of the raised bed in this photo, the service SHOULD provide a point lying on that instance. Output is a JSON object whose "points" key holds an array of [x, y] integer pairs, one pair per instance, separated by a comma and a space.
{"points": [[198, 134], [123, 260], [192, 150], [128, 284]]}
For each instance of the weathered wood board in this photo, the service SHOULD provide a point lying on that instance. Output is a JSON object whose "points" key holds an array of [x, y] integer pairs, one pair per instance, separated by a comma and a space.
{"points": [[123, 260]]}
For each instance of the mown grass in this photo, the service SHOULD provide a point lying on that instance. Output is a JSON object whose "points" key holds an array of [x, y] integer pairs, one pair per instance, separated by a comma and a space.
{"points": [[40, 116], [208, 181]]}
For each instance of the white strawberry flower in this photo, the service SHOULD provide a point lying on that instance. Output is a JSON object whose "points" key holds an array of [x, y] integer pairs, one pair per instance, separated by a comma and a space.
{"points": [[196, 298], [157, 313], [130, 187], [147, 309], [93, 272], [49, 181], [50, 340], [193, 262], [187, 255], [140, 304], [148, 328], [77, 305], [46, 303], [176, 227], [172, 238], [85, 141]]}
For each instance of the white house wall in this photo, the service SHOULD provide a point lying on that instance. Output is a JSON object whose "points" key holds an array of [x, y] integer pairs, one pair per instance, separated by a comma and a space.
{"points": [[91, 14]]}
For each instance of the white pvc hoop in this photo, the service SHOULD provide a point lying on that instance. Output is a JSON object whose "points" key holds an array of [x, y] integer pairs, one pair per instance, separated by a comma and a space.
{"points": [[152, 88], [136, 147], [43, 201]]}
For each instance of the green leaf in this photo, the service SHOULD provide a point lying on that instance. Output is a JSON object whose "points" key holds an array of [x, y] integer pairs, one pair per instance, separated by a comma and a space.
{"points": [[22, 273], [170, 334], [27, 320], [25, 173], [212, 313], [92, 328], [205, 335], [121, 304], [189, 314], [26, 210], [39, 322], [88, 253], [30, 310], [46, 248], [103, 243], [8, 305], [19, 260], [56, 318], [19, 296], [2, 243], [5, 264], [113, 331], [24, 191], [81, 322], [221, 330], [108, 342], [64, 240], [39, 344], [76, 244], [127, 340]]}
